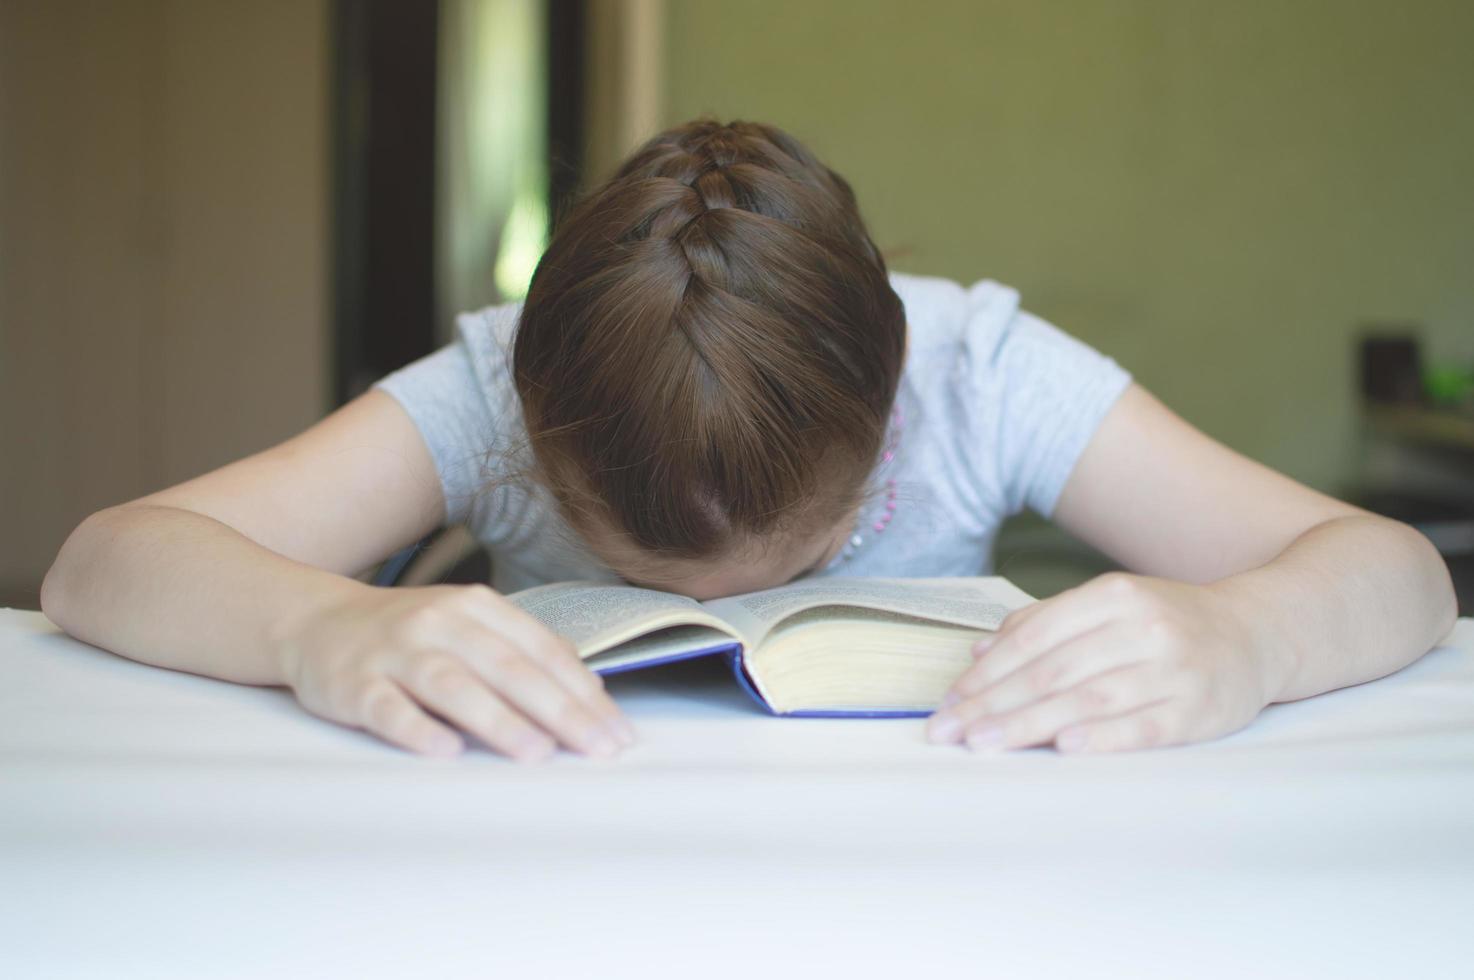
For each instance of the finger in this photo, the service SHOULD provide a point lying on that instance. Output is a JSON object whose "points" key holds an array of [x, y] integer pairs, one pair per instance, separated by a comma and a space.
{"points": [[386, 711], [453, 691], [1009, 623], [1052, 670], [1072, 662], [1049, 624], [1017, 617], [1148, 727], [1112, 693], [560, 660], [556, 655], [522, 682]]}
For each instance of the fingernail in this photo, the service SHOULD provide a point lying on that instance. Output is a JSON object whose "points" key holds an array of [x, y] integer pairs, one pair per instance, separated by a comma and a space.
{"points": [[446, 744], [987, 738], [943, 728], [949, 699], [981, 646]]}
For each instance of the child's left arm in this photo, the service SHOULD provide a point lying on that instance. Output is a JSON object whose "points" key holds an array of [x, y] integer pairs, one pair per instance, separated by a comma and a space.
{"points": [[1252, 589]]}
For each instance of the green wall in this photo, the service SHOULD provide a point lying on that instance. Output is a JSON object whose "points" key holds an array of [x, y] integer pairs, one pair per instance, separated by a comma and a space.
{"points": [[1216, 194]]}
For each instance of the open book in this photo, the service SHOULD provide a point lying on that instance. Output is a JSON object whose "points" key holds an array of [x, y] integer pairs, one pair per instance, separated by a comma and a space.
{"points": [[842, 646]]}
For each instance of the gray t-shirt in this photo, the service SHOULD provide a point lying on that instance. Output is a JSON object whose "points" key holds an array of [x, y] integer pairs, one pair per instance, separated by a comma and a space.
{"points": [[995, 407]]}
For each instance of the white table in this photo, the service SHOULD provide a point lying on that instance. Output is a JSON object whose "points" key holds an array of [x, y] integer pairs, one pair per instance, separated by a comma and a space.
{"points": [[156, 824]]}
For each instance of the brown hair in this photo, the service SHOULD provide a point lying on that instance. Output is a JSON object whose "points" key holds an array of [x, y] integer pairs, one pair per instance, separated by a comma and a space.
{"points": [[710, 345]]}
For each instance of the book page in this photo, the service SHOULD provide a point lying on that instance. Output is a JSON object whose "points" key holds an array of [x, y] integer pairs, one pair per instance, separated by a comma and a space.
{"points": [[861, 661], [978, 602], [672, 643], [598, 615]]}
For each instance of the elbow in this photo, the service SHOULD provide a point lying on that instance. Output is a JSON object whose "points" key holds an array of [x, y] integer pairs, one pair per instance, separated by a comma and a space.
{"points": [[56, 586], [1436, 582], [51, 591], [1450, 600], [53, 594], [60, 586]]}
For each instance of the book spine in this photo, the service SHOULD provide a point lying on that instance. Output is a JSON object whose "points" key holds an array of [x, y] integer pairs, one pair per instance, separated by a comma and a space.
{"points": [[739, 670]]}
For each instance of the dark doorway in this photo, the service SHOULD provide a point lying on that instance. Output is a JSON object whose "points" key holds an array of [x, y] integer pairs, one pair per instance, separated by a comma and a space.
{"points": [[385, 168]]}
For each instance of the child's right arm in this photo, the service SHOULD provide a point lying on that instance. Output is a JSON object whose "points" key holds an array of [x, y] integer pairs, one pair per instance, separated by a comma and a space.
{"points": [[242, 574]]}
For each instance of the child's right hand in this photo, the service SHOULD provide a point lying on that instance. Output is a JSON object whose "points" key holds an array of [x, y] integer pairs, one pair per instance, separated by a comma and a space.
{"points": [[386, 658]]}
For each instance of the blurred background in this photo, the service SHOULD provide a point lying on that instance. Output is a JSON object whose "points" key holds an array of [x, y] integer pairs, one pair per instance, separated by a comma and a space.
{"points": [[219, 218]]}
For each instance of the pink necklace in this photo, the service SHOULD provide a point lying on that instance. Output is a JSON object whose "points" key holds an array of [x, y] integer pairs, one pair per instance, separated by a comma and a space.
{"points": [[883, 520]]}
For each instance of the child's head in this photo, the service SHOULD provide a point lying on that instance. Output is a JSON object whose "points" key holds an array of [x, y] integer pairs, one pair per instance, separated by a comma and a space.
{"points": [[707, 359]]}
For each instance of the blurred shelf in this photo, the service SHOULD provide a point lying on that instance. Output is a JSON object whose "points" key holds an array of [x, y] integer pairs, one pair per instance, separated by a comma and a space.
{"points": [[1444, 428]]}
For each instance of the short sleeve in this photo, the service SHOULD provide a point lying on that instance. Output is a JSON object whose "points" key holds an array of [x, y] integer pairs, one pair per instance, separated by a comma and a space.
{"points": [[1037, 396], [447, 398]]}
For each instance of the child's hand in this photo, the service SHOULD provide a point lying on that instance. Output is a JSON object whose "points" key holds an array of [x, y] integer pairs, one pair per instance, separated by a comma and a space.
{"points": [[1122, 662], [388, 657]]}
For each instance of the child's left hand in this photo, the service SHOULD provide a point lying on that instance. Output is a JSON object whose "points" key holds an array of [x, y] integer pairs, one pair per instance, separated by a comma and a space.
{"points": [[1121, 662]]}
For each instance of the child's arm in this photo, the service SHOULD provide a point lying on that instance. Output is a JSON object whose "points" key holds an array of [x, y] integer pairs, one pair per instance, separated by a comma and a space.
{"points": [[242, 574], [1268, 591]]}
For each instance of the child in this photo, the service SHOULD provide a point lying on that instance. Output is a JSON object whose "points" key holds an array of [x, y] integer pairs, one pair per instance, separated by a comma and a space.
{"points": [[714, 386]]}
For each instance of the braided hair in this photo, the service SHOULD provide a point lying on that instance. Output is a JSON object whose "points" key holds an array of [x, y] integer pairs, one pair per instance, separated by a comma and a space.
{"points": [[710, 346]]}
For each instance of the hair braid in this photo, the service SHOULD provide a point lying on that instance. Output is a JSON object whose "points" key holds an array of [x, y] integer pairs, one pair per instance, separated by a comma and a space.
{"points": [[710, 345]]}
